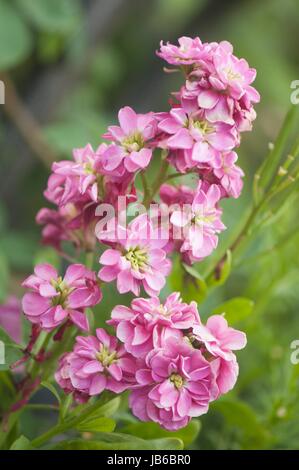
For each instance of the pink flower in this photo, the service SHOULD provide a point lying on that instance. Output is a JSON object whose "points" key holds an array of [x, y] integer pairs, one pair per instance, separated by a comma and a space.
{"points": [[132, 150], [10, 318], [54, 299], [232, 74], [97, 363], [147, 323], [186, 53], [226, 374], [229, 175], [201, 223], [176, 384], [219, 339], [138, 258], [71, 180], [195, 137]]}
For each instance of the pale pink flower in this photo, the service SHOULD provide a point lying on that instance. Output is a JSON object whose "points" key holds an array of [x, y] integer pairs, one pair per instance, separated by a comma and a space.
{"points": [[73, 179], [10, 318], [219, 339], [186, 53], [131, 150], [176, 383], [54, 299], [97, 363], [138, 258], [196, 138], [148, 323], [201, 223], [229, 175], [232, 74], [226, 374]]}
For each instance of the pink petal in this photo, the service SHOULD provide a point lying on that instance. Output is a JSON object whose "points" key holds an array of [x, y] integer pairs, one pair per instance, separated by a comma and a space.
{"points": [[128, 120]]}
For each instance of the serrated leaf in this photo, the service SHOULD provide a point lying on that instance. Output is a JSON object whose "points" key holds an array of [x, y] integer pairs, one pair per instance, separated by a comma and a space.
{"points": [[235, 310], [15, 37], [154, 431]]}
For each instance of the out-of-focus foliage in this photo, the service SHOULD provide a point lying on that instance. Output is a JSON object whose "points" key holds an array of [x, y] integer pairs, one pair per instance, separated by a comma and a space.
{"points": [[74, 63]]}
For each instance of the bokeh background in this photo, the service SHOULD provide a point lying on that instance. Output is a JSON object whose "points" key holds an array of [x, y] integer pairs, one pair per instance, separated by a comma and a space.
{"points": [[68, 66]]}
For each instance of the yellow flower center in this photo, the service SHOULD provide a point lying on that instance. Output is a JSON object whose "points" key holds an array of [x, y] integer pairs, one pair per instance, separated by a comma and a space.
{"points": [[133, 143], [177, 380], [138, 258], [106, 357]]}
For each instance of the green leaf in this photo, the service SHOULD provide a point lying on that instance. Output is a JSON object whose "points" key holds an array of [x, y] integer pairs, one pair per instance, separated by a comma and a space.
{"points": [[117, 441], [22, 443], [240, 415], [222, 271], [154, 431], [52, 15], [188, 282], [15, 38], [106, 409], [64, 406], [52, 389], [12, 351], [235, 310], [101, 424]]}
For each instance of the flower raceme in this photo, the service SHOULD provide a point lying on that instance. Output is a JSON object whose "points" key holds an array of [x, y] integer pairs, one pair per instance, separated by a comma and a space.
{"points": [[54, 299], [172, 364]]}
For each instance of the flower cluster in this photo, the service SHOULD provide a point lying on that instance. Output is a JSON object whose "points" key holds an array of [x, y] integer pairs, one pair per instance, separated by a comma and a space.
{"points": [[215, 105], [173, 365]]}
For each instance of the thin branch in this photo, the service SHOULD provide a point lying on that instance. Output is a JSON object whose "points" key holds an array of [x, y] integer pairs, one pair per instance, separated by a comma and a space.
{"points": [[26, 124]]}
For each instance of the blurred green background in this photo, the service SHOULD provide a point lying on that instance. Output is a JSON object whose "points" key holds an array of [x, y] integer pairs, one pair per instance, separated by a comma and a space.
{"points": [[68, 66]]}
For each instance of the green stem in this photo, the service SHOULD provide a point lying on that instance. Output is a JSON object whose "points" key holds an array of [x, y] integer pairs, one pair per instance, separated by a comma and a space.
{"points": [[89, 259], [65, 426], [161, 178]]}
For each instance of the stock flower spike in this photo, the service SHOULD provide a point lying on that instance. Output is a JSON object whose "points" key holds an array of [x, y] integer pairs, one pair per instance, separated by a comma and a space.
{"points": [[54, 299], [96, 363], [170, 363]]}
